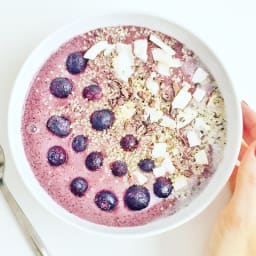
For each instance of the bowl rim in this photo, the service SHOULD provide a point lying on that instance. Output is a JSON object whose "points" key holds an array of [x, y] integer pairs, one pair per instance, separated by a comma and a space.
{"points": [[137, 231]]}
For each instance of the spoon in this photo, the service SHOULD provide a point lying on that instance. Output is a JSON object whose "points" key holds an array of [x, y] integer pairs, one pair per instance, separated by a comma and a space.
{"points": [[28, 230]]}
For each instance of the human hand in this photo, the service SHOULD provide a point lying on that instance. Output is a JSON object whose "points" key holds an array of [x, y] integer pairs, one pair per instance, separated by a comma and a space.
{"points": [[235, 229]]}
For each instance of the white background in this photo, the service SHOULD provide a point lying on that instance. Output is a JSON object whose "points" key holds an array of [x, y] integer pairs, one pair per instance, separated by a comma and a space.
{"points": [[228, 27]]}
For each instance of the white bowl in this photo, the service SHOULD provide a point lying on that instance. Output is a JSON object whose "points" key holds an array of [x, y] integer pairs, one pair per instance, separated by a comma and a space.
{"points": [[48, 46]]}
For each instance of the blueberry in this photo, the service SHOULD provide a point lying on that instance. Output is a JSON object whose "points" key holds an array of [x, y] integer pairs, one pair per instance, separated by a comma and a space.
{"points": [[57, 156], [146, 165], [106, 200], [92, 92], [76, 63], [102, 119], [59, 125], [61, 87], [162, 187], [78, 186], [79, 143], [94, 161], [129, 143], [137, 197], [119, 168]]}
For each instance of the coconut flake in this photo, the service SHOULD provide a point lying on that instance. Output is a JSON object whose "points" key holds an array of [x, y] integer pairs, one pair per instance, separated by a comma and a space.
{"points": [[161, 44], [153, 74], [140, 178], [153, 114], [161, 56], [96, 49], [163, 69], [159, 171], [126, 111], [152, 85], [185, 117], [168, 165], [159, 150], [168, 122], [199, 76], [201, 157], [175, 63], [199, 94], [182, 99], [179, 182], [200, 125], [124, 61], [186, 86], [165, 167], [193, 139], [140, 49], [109, 49]]}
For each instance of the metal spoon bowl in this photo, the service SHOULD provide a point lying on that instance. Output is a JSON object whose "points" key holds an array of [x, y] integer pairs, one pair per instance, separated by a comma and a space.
{"points": [[27, 228]]}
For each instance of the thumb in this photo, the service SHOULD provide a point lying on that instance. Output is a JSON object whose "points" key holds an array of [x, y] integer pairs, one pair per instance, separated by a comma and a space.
{"points": [[244, 198]]}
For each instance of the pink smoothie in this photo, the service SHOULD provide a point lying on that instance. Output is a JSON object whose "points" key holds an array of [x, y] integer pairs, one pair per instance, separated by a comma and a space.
{"points": [[193, 149]]}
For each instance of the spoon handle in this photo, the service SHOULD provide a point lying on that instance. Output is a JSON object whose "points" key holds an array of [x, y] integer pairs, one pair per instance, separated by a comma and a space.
{"points": [[30, 233]]}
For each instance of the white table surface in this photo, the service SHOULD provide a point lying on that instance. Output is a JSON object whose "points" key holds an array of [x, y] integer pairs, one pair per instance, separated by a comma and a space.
{"points": [[228, 27]]}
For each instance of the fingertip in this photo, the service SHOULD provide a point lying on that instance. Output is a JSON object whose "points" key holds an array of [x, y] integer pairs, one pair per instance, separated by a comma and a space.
{"points": [[244, 104], [249, 122], [247, 113], [249, 116], [246, 175]]}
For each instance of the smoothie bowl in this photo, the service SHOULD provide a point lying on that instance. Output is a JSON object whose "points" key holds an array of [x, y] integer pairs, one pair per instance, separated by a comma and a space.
{"points": [[124, 124]]}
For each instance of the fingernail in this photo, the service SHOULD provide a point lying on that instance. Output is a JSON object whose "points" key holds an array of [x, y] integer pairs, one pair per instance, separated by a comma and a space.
{"points": [[245, 103]]}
